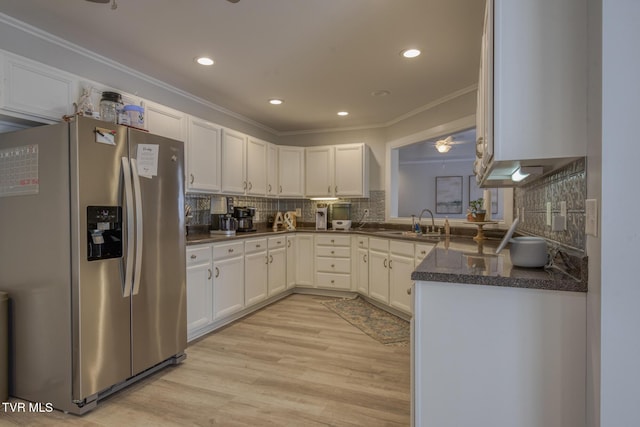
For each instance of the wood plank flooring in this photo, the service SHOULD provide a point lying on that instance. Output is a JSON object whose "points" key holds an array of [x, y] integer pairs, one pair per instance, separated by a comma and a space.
{"points": [[294, 363]]}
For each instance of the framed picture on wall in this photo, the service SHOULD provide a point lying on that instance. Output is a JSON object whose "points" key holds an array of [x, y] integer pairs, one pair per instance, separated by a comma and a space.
{"points": [[449, 194], [476, 192]]}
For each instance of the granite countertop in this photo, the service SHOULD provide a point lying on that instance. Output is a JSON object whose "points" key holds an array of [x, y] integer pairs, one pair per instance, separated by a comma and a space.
{"points": [[463, 260], [455, 259]]}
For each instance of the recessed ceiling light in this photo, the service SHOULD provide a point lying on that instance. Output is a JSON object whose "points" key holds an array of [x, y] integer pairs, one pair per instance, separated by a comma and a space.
{"points": [[381, 93], [204, 60], [276, 101], [410, 53], [343, 113]]}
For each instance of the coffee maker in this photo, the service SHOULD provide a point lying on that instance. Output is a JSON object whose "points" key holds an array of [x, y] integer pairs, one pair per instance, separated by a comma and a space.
{"points": [[222, 219], [244, 215], [322, 213]]}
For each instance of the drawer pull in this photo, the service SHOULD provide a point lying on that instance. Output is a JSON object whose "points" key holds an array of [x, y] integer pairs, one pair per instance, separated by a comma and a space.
{"points": [[333, 266], [230, 250], [217, 272], [279, 242], [209, 270], [423, 252], [332, 241], [333, 252], [333, 281], [194, 256], [258, 245]]}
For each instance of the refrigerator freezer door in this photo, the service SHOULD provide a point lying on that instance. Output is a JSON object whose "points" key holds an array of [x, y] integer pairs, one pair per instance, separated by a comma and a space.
{"points": [[101, 319], [159, 328]]}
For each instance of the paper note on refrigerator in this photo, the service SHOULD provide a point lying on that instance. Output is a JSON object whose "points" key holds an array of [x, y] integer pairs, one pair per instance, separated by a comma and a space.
{"points": [[147, 160]]}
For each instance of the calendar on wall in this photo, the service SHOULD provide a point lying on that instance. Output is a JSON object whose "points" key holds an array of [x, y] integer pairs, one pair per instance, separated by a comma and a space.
{"points": [[19, 171]]}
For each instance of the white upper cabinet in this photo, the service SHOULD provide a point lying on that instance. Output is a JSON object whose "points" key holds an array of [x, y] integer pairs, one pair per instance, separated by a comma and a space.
{"points": [[272, 170], [534, 82], [34, 91], [165, 121], [290, 171], [203, 156], [233, 162], [338, 170], [256, 167], [319, 171], [352, 170]]}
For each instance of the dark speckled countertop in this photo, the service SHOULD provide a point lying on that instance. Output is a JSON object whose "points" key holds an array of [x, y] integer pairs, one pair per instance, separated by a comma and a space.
{"points": [[463, 260], [457, 259]]}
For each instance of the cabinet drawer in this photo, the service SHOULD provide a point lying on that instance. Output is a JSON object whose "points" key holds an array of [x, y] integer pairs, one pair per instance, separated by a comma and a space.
{"points": [[226, 250], [330, 280], [422, 251], [361, 242], [277, 242], [330, 251], [255, 245], [333, 240], [198, 255], [401, 248], [333, 265], [381, 245]]}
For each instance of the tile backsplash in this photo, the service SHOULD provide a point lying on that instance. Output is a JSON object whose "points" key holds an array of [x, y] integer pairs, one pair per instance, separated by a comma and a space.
{"points": [[200, 207], [567, 184]]}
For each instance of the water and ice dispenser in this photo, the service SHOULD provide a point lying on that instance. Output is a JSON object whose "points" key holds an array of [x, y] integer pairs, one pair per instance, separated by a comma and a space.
{"points": [[104, 232]]}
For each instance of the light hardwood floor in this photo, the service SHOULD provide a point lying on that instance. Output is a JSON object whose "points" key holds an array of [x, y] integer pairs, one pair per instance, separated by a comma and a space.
{"points": [[294, 363]]}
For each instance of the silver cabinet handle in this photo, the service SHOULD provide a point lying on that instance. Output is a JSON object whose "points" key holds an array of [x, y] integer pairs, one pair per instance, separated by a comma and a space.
{"points": [[279, 242], [329, 190], [244, 185], [423, 252], [258, 245], [288, 243], [230, 250], [385, 263], [192, 178], [209, 270], [390, 261], [250, 185], [269, 188], [333, 281], [217, 272], [270, 259], [408, 291], [364, 257], [333, 252], [336, 189], [193, 256], [281, 188], [266, 259], [333, 266]]}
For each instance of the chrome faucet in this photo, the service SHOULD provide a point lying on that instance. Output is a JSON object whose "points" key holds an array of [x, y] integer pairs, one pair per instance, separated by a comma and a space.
{"points": [[433, 223]]}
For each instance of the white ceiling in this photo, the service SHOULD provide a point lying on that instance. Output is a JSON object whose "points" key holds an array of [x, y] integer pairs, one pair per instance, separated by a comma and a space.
{"points": [[321, 56]]}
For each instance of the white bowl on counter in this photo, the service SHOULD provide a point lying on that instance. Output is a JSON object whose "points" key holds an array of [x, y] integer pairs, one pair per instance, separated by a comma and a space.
{"points": [[528, 251]]}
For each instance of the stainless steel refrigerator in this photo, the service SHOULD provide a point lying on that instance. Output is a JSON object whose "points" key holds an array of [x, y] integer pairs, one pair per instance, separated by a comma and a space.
{"points": [[92, 254]]}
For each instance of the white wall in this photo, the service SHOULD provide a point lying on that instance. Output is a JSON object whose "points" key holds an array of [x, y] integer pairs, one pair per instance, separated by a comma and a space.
{"points": [[620, 373]]}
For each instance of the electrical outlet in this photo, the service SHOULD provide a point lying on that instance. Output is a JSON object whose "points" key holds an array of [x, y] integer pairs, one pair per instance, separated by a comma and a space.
{"points": [[549, 214], [366, 213], [591, 220]]}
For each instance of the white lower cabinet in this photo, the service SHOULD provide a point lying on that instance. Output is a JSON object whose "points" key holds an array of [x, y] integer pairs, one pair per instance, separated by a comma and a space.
{"points": [[277, 271], [379, 269], [228, 279], [292, 248], [333, 261], [361, 264], [401, 265], [256, 264], [199, 290], [304, 260]]}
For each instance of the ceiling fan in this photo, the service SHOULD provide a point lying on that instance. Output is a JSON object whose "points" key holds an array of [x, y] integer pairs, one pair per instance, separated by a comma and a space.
{"points": [[444, 145]]}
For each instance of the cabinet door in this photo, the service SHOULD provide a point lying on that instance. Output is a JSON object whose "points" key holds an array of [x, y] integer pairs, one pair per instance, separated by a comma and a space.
{"points": [[165, 121], [290, 171], [400, 269], [256, 167], [199, 297], [272, 170], [277, 271], [304, 260], [292, 247], [362, 262], [379, 276], [352, 171], [319, 171], [32, 90], [203, 156], [255, 277], [228, 286], [233, 164]]}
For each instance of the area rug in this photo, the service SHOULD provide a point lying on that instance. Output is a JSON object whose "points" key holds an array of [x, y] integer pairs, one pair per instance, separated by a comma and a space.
{"points": [[378, 324]]}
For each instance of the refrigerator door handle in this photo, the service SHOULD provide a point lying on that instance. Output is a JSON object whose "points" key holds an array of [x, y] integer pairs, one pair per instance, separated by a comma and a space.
{"points": [[128, 193], [138, 200]]}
